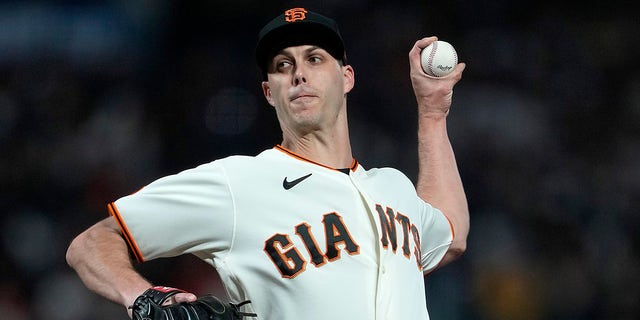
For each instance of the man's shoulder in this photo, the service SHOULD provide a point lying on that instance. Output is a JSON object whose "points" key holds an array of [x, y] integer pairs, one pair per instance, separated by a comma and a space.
{"points": [[387, 176], [264, 156], [384, 172], [267, 158]]}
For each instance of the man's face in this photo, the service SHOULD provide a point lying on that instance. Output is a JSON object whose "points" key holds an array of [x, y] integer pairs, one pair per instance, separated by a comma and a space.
{"points": [[307, 87]]}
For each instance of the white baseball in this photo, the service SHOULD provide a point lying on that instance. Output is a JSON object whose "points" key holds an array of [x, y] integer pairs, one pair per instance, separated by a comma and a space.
{"points": [[439, 59]]}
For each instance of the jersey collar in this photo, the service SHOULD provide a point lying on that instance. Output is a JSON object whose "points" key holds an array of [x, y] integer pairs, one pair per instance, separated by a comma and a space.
{"points": [[352, 168]]}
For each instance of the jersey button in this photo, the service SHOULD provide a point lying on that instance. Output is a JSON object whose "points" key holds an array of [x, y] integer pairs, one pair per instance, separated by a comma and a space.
{"points": [[384, 269]]}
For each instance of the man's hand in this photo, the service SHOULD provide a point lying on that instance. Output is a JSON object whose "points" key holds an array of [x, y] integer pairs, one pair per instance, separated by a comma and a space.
{"points": [[175, 298], [163, 303], [432, 94]]}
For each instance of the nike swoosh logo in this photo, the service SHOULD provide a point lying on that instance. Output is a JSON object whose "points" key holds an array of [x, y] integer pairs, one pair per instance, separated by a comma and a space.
{"points": [[290, 184]]}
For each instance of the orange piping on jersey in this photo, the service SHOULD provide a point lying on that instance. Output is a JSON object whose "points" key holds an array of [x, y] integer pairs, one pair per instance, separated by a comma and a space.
{"points": [[353, 167], [453, 236], [453, 231], [113, 211]]}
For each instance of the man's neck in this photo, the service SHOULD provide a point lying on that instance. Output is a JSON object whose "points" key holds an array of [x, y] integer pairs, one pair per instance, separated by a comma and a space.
{"points": [[332, 150]]}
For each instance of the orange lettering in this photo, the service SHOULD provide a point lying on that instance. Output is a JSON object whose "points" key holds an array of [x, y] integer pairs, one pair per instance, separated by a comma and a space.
{"points": [[295, 14]]}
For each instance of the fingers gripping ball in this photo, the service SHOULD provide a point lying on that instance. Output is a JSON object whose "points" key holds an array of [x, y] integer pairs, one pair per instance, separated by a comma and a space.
{"points": [[439, 59], [150, 306]]}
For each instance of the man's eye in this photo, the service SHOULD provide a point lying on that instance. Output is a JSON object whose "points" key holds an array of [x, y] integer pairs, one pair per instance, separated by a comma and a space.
{"points": [[315, 59], [283, 64]]}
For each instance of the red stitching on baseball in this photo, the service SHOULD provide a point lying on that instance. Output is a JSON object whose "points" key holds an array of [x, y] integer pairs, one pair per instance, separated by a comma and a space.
{"points": [[430, 60]]}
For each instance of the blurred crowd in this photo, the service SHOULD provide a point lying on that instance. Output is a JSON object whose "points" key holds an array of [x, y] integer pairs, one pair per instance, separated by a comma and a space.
{"points": [[98, 98]]}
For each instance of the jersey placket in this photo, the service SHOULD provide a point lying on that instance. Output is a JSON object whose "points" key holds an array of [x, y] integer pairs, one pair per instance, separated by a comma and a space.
{"points": [[382, 294]]}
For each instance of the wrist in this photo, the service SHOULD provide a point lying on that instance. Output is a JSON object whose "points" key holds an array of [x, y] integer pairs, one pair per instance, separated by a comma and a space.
{"points": [[433, 115], [432, 126], [431, 107], [130, 296]]}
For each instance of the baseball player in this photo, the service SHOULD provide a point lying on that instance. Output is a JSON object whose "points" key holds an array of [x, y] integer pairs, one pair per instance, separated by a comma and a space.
{"points": [[301, 230]]}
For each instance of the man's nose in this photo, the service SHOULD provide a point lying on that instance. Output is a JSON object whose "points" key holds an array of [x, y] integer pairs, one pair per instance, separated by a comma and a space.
{"points": [[299, 76]]}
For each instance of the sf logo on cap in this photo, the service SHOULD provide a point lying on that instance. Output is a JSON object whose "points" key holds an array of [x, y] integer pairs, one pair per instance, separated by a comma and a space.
{"points": [[295, 14]]}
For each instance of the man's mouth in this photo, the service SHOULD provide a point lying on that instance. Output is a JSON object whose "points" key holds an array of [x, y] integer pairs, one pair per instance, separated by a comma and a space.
{"points": [[304, 97], [302, 94]]}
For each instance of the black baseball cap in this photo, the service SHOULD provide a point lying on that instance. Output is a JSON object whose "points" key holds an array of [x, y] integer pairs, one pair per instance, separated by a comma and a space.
{"points": [[295, 27]]}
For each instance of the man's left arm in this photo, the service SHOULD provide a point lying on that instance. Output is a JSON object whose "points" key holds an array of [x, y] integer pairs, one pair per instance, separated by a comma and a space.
{"points": [[439, 181]]}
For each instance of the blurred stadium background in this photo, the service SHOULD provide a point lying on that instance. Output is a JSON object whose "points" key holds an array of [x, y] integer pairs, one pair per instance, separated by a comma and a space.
{"points": [[98, 98]]}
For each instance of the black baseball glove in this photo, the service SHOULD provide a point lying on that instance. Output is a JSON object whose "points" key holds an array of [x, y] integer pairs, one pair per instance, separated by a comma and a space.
{"points": [[149, 306]]}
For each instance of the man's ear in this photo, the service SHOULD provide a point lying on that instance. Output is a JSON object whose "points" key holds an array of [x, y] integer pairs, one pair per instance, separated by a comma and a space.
{"points": [[267, 92], [349, 78]]}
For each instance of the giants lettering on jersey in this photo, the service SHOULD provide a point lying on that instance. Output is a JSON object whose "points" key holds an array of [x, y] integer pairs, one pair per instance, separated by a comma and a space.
{"points": [[290, 262]]}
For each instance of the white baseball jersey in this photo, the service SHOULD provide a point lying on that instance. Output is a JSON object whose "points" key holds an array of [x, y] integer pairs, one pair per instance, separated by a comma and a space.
{"points": [[298, 239]]}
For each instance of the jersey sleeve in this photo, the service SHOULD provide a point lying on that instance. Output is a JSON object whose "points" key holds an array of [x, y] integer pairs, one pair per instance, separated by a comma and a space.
{"points": [[436, 236], [189, 212]]}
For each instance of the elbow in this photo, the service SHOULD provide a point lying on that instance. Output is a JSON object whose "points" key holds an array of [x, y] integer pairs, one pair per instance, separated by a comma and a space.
{"points": [[72, 255], [88, 243], [79, 247], [459, 244], [457, 248]]}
